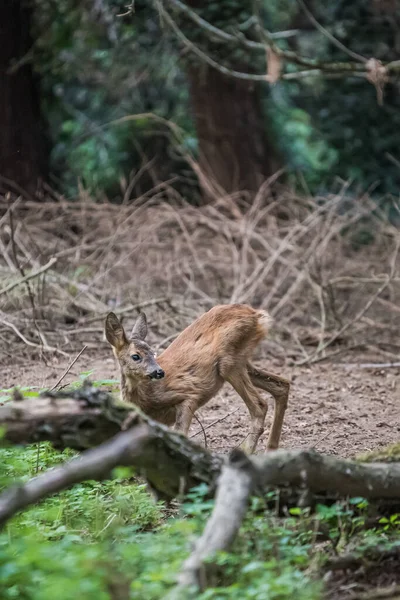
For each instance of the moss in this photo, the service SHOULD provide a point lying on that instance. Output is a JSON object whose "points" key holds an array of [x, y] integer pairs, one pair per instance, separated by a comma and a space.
{"points": [[388, 454]]}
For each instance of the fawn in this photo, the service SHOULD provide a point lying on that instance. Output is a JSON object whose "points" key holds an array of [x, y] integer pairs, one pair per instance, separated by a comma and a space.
{"points": [[214, 349]]}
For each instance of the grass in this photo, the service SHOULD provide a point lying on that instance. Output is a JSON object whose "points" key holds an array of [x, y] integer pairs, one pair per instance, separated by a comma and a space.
{"points": [[110, 541]]}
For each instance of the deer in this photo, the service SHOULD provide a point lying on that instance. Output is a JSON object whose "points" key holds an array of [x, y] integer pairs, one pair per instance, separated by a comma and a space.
{"points": [[216, 348]]}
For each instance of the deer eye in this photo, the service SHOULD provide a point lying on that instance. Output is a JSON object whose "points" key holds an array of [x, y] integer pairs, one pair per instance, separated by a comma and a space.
{"points": [[136, 357]]}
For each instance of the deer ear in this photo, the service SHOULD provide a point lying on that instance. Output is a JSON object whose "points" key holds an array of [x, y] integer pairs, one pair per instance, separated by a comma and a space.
{"points": [[139, 330], [114, 331]]}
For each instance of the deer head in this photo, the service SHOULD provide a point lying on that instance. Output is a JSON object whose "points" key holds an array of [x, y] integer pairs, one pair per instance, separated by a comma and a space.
{"points": [[135, 357]]}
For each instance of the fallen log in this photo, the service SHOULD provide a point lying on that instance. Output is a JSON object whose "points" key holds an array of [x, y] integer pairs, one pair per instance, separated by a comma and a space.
{"points": [[89, 418], [318, 473], [170, 462], [235, 486], [112, 434]]}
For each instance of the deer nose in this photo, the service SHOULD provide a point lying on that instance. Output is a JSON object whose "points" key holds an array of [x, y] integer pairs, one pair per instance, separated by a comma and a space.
{"points": [[157, 374]]}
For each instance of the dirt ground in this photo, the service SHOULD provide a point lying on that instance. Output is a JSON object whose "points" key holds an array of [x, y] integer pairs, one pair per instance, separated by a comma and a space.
{"points": [[339, 409]]}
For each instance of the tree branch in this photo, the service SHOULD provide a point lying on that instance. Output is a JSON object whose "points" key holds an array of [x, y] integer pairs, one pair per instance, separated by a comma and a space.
{"points": [[373, 70], [235, 487], [88, 417], [171, 463], [330, 37], [29, 276], [318, 473], [94, 464]]}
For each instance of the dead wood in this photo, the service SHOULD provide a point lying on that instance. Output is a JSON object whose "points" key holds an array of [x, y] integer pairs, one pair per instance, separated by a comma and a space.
{"points": [[367, 559], [235, 487], [318, 473], [171, 463], [388, 593], [88, 417]]}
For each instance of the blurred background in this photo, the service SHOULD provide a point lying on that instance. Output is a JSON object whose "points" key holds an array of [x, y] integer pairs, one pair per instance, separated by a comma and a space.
{"points": [[202, 153], [166, 156], [90, 91]]}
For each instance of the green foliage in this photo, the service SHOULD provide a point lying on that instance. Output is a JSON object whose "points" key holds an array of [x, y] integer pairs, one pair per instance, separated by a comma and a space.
{"points": [[295, 134], [97, 69], [107, 540], [358, 135]]}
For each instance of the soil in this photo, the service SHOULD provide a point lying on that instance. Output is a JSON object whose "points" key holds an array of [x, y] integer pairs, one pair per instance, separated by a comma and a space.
{"points": [[338, 409]]}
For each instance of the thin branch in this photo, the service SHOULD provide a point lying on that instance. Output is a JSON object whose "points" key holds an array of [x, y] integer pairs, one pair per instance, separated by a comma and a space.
{"points": [[222, 35], [268, 38], [44, 348], [67, 370], [94, 464], [202, 55], [202, 429], [214, 423], [388, 365], [359, 315], [128, 309], [166, 340], [26, 278], [362, 67], [330, 37]]}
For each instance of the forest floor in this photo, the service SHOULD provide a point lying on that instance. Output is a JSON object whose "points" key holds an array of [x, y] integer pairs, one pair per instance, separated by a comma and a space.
{"points": [[337, 408], [329, 274], [341, 408]]}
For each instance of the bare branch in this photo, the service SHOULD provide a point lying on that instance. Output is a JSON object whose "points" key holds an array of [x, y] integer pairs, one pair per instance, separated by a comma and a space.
{"points": [[330, 37], [94, 464], [43, 348], [202, 55], [323, 345], [361, 67], [128, 309], [235, 487], [29, 276], [67, 370], [222, 35]]}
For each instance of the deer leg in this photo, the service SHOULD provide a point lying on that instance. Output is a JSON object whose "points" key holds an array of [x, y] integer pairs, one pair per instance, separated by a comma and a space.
{"points": [[256, 405], [184, 416], [278, 387]]}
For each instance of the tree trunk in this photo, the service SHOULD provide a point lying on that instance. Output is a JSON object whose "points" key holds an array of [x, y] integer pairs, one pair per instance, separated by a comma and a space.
{"points": [[233, 148], [22, 141]]}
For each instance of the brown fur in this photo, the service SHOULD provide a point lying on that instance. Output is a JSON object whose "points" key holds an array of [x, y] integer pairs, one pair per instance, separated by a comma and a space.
{"points": [[215, 349]]}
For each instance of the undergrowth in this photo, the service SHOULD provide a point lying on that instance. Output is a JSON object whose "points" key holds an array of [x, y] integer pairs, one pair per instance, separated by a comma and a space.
{"points": [[110, 541]]}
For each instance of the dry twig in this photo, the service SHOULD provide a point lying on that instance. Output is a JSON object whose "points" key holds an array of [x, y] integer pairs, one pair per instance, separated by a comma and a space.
{"points": [[67, 370], [29, 276]]}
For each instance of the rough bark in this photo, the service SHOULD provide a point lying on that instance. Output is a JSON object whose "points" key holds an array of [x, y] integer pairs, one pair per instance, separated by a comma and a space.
{"points": [[22, 142], [234, 151], [88, 417], [318, 473], [172, 463], [235, 487]]}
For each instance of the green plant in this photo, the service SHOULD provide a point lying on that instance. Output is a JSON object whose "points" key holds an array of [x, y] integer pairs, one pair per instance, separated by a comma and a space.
{"points": [[100, 537]]}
